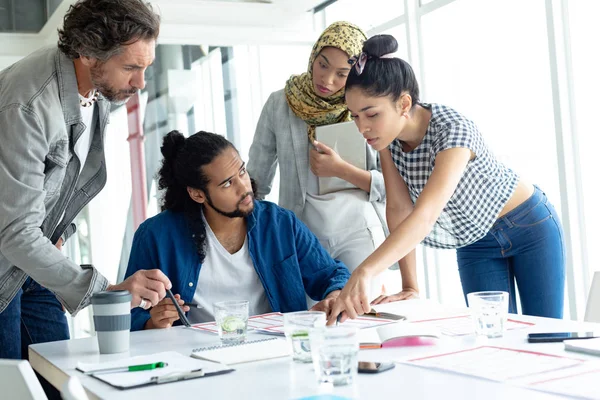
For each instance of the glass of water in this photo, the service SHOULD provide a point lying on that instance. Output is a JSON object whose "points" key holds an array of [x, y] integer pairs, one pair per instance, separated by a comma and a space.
{"points": [[490, 311], [297, 327], [232, 320], [335, 354]]}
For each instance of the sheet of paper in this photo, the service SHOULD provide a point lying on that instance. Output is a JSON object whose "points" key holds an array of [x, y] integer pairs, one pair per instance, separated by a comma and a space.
{"points": [[463, 325], [415, 309], [176, 362], [581, 381], [360, 323], [367, 322], [496, 363], [257, 322], [272, 323]]}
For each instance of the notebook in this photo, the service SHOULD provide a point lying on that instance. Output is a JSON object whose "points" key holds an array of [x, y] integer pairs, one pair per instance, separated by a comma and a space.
{"points": [[252, 350], [179, 367], [345, 139], [589, 346], [397, 334]]}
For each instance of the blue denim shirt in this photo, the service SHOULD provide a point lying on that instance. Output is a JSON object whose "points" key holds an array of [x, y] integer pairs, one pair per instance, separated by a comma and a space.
{"points": [[288, 258]]}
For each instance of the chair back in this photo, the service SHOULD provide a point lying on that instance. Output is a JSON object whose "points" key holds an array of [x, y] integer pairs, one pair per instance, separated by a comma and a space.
{"points": [[18, 381], [73, 390]]}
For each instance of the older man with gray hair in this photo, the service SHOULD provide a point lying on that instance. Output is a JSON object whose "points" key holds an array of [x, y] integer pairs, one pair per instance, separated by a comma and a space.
{"points": [[54, 108]]}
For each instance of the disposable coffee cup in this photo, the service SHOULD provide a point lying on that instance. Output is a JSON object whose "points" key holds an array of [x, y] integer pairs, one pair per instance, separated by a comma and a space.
{"points": [[112, 320]]}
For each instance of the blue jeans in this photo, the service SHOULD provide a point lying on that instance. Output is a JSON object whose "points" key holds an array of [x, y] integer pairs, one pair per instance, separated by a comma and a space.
{"points": [[33, 316], [525, 245]]}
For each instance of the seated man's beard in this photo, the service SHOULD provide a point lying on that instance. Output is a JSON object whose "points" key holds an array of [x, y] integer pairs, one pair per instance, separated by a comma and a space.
{"points": [[237, 213]]}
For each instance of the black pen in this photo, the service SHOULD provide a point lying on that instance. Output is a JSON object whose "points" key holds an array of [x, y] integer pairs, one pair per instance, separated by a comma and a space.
{"points": [[192, 305], [182, 316], [337, 319]]}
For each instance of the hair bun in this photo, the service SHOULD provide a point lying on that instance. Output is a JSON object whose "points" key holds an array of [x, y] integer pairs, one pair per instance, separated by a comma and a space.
{"points": [[380, 45], [173, 142]]}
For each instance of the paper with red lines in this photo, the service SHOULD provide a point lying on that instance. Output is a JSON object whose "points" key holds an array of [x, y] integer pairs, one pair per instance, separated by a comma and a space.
{"points": [[497, 363], [463, 325], [263, 321], [579, 381], [272, 323]]}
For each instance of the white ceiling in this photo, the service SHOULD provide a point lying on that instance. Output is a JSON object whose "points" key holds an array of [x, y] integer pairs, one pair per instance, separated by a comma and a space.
{"points": [[208, 22], [229, 22]]}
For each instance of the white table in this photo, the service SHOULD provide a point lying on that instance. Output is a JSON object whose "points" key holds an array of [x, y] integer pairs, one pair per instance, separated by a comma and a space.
{"points": [[284, 379]]}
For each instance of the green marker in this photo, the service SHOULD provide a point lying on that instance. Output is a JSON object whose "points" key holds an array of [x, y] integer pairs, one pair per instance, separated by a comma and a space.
{"points": [[132, 368]]}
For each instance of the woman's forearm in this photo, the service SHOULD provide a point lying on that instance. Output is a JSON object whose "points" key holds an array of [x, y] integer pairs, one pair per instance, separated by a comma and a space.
{"points": [[356, 176]]}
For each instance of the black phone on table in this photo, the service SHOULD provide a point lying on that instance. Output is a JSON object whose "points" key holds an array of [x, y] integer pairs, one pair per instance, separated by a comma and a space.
{"points": [[369, 367], [559, 336]]}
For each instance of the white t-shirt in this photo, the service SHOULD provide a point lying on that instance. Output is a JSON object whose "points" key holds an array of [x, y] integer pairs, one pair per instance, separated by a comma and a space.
{"points": [[82, 146], [224, 277], [84, 142]]}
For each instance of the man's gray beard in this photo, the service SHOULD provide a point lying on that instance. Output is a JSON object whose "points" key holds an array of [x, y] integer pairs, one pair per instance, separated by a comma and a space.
{"points": [[96, 74], [120, 102]]}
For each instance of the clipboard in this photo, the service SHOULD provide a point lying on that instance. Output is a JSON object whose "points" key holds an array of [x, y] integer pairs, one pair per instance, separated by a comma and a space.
{"points": [[346, 140], [179, 368], [175, 378]]}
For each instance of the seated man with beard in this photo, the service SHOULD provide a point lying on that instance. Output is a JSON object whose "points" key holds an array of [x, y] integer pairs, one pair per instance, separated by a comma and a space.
{"points": [[215, 242]]}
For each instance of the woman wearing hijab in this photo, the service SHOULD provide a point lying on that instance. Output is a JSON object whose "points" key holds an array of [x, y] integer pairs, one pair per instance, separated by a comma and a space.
{"points": [[350, 224]]}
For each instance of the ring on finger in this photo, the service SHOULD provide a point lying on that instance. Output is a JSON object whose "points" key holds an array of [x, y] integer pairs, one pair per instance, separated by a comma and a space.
{"points": [[143, 304]]}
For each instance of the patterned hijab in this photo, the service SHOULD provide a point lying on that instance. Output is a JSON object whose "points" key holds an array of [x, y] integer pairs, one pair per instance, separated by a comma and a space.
{"points": [[299, 89]]}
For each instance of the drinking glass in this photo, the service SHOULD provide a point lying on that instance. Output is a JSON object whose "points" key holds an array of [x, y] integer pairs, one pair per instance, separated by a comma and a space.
{"points": [[297, 327], [490, 311], [232, 320], [335, 354]]}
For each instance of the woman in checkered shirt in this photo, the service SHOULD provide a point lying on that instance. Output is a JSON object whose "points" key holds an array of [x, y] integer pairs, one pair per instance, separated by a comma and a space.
{"points": [[445, 189]]}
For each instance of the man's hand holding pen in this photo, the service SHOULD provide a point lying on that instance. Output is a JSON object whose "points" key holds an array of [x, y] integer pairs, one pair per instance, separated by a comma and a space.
{"points": [[164, 314]]}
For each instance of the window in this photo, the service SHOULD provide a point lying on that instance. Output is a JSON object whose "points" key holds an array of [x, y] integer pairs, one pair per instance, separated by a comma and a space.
{"points": [[489, 61], [586, 86], [367, 15], [399, 33]]}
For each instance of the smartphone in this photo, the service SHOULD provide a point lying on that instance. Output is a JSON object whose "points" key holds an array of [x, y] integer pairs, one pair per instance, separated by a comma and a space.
{"points": [[369, 367], [560, 336]]}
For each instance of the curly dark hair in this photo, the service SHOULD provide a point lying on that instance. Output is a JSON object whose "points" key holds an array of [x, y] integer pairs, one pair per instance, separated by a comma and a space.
{"points": [[99, 28], [182, 168]]}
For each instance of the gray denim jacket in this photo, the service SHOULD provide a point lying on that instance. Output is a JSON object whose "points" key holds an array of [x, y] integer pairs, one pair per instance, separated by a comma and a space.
{"points": [[41, 189]]}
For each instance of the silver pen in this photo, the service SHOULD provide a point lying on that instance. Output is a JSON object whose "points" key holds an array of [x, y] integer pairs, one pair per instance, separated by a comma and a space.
{"points": [[177, 376]]}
